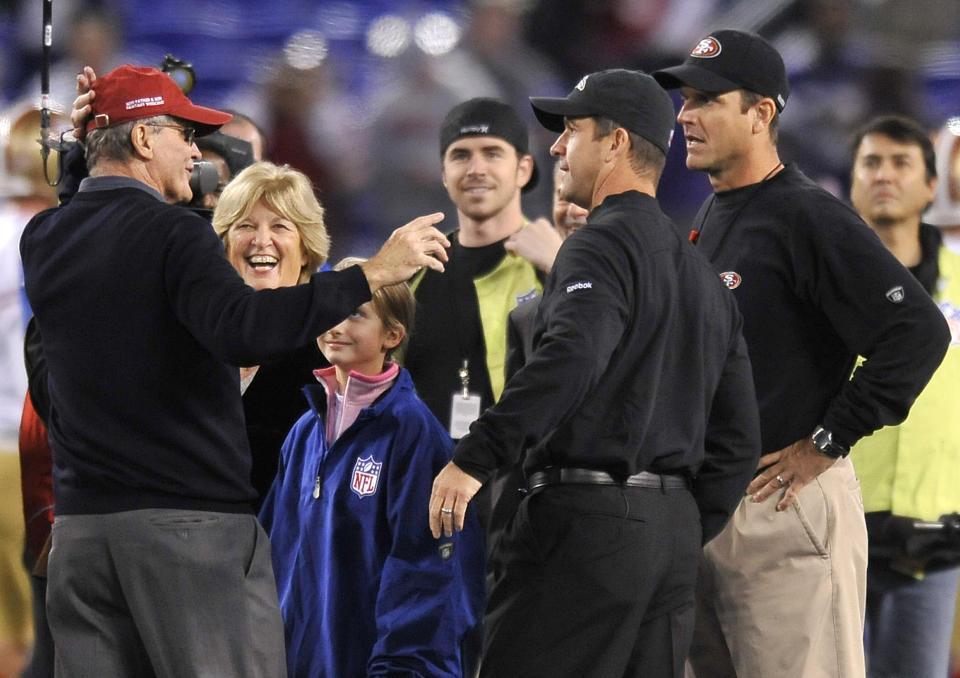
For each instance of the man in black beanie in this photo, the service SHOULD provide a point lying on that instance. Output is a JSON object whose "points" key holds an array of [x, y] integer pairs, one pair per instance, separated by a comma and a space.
{"points": [[458, 347]]}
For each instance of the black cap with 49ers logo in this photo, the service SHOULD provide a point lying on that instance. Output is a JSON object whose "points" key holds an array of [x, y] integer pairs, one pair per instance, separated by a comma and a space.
{"points": [[727, 60]]}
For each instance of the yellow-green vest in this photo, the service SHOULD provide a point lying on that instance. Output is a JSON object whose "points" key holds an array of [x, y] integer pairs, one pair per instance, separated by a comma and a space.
{"points": [[500, 291], [913, 469], [513, 281]]}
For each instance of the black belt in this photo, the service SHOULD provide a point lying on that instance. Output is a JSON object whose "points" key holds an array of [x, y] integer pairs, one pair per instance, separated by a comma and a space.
{"points": [[585, 476]]}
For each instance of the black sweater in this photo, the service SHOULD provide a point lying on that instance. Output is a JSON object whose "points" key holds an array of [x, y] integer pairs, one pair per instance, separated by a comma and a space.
{"points": [[817, 288], [638, 364], [144, 324]]}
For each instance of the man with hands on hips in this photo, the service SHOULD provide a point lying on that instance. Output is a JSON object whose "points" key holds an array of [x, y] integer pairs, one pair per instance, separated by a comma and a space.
{"points": [[782, 588]]}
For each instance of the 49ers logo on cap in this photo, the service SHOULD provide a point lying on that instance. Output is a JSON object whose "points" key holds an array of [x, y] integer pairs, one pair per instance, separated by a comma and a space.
{"points": [[731, 279], [706, 48]]}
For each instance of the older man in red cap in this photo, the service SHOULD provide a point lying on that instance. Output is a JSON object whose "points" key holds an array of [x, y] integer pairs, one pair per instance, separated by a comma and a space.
{"points": [[158, 566]]}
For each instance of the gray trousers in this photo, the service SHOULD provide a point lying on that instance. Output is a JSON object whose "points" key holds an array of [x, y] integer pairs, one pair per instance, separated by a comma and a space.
{"points": [[165, 593]]}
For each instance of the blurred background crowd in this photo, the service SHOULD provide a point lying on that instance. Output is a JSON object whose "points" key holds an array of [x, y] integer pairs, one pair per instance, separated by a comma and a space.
{"points": [[352, 92]]}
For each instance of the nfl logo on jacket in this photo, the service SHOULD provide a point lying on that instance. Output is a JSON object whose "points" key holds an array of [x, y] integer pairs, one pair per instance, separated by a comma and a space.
{"points": [[366, 473]]}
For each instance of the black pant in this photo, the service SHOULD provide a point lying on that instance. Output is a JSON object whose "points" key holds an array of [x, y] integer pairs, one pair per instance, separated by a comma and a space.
{"points": [[594, 581]]}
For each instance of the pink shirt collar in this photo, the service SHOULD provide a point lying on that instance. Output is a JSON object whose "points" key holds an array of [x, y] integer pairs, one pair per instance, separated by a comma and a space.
{"points": [[360, 392]]}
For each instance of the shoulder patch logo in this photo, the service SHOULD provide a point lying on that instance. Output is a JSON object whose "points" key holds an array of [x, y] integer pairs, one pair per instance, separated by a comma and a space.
{"points": [[707, 48], [583, 285], [895, 294], [731, 279], [365, 476]]}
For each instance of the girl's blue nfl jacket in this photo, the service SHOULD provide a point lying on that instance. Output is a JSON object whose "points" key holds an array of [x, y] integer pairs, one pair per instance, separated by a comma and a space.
{"points": [[364, 588]]}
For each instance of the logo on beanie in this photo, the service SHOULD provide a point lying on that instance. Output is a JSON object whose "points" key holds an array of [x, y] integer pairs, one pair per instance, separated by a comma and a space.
{"points": [[582, 83], [706, 48], [474, 129]]}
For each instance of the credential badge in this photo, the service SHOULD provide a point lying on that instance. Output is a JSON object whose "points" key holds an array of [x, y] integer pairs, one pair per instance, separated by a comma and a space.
{"points": [[365, 477]]}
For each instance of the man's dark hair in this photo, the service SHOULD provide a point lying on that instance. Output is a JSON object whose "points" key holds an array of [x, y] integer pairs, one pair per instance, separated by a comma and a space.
{"points": [[903, 130], [749, 99], [645, 157]]}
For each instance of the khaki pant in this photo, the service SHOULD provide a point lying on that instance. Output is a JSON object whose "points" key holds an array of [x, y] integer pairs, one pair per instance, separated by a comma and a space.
{"points": [[16, 627], [783, 593], [15, 623]]}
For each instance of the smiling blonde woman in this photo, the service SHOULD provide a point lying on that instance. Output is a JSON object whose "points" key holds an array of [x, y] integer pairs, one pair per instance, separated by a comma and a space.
{"points": [[271, 224], [272, 228]]}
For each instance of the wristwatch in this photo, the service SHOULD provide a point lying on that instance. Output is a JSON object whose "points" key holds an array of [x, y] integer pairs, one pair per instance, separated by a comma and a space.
{"points": [[823, 441]]}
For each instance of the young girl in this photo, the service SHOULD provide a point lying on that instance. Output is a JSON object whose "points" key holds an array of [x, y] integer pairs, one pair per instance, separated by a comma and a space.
{"points": [[365, 590]]}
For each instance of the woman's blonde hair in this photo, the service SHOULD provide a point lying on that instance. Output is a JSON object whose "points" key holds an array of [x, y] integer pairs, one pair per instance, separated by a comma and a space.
{"points": [[394, 304], [286, 191]]}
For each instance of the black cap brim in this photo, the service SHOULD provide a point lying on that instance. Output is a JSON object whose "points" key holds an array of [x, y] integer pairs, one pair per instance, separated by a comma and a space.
{"points": [[551, 111], [690, 75]]}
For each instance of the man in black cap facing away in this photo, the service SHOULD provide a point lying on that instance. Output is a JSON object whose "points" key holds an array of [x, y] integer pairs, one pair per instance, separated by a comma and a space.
{"points": [[782, 588], [636, 409]]}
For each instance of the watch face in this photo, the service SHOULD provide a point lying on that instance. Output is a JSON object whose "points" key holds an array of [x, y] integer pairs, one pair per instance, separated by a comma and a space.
{"points": [[823, 441], [822, 438]]}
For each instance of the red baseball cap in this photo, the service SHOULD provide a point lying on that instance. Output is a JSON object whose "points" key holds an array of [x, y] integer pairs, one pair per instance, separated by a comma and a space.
{"points": [[133, 93]]}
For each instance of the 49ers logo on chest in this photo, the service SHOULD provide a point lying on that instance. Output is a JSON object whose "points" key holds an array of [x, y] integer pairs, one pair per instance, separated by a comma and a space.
{"points": [[366, 476], [731, 279], [706, 48]]}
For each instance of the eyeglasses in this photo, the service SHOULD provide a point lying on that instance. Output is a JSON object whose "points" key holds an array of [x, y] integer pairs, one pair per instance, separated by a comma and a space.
{"points": [[189, 133]]}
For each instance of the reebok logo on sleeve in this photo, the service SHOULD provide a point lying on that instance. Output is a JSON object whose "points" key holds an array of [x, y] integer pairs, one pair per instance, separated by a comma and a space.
{"points": [[583, 285]]}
